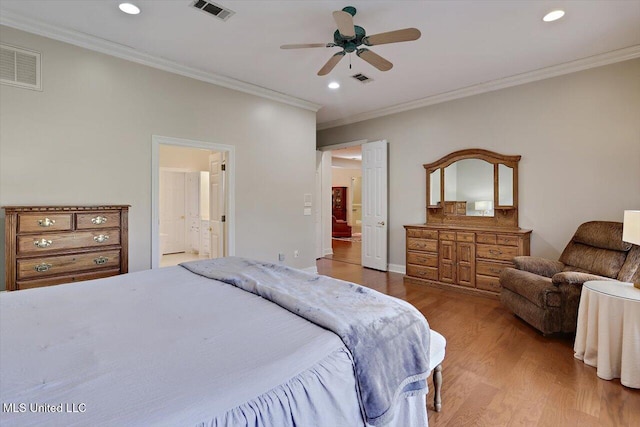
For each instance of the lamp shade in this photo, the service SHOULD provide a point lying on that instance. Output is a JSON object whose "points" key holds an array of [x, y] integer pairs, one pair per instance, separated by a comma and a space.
{"points": [[631, 227]]}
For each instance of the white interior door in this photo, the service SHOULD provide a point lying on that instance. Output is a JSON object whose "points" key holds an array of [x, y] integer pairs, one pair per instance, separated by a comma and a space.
{"points": [[172, 212], [216, 204], [374, 205]]}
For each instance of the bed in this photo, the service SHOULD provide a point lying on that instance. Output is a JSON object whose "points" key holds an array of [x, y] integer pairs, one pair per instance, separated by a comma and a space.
{"points": [[173, 347]]}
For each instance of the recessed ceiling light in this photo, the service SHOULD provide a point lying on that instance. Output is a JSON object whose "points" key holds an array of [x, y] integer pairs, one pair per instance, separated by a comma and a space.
{"points": [[334, 85], [129, 8], [554, 15]]}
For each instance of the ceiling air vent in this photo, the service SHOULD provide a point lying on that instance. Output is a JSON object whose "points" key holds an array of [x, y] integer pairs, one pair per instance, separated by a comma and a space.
{"points": [[213, 9], [20, 67], [362, 78]]}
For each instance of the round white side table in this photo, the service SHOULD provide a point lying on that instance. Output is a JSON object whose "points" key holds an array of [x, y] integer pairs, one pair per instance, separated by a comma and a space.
{"points": [[608, 330]]}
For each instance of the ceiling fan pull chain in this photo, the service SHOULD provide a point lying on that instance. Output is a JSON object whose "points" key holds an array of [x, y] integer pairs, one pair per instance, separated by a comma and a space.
{"points": [[349, 61]]}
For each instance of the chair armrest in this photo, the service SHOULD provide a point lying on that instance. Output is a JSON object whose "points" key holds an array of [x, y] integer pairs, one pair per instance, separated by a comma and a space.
{"points": [[575, 278], [537, 265]]}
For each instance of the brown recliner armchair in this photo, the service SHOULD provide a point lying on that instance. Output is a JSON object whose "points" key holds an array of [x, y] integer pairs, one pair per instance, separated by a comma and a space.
{"points": [[546, 293]]}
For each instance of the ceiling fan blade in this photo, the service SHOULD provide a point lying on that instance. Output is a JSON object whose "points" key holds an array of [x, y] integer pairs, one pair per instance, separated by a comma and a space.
{"points": [[374, 59], [302, 46], [405, 35], [344, 20], [332, 62]]}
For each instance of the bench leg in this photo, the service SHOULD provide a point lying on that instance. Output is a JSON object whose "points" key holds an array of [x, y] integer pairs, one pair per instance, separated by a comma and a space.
{"points": [[437, 386]]}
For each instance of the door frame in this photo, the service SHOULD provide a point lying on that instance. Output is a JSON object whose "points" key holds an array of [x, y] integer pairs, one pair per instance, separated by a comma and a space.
{"points": [[325, 177], [156, 140]]}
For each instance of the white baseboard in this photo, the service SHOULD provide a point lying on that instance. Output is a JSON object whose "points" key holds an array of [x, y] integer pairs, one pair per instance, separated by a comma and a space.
{"points": [[398, 268], [328, 252]]}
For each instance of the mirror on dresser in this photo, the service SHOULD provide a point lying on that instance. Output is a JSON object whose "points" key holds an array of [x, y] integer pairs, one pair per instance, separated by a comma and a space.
{"points": [[473, 187], [471, 232]]}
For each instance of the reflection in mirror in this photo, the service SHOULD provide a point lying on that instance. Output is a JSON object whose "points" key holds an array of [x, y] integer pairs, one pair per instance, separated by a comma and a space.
{"points": [[470, 181], [505, 190], [434, 181]]}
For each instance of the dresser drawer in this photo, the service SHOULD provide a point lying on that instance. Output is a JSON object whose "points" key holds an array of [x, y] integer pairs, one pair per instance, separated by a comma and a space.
{"points": [[490, 268], [447, 235], [422, 234], [97, 220], [39, 222], [57, 280], [48, 242], [55, 265], [426, 260], [507, 240], [488, 283], [425, 245], [422, 272], [465, 237], [488, 238], [503, 253]]}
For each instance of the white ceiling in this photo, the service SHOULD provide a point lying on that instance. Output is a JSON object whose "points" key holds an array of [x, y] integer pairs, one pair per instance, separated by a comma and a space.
{"points": [[464, 44]]}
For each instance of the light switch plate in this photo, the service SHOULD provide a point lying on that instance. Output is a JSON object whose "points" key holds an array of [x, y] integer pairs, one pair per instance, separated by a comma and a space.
{"points": [[307, 211]]}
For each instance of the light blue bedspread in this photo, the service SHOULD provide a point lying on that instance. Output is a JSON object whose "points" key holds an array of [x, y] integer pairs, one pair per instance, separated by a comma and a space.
{"points": [[387, 337]]}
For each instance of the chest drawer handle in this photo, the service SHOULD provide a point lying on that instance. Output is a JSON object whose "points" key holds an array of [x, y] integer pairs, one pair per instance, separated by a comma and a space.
{"points": [[494, 252], [41, 268], [101, 260], [42, 243], [46, 222], [495, 270], [101, 238], [99, 220]]}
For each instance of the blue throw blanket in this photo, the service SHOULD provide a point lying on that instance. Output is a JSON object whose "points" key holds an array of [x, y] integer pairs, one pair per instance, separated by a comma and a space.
{"points": [[387, 337]]}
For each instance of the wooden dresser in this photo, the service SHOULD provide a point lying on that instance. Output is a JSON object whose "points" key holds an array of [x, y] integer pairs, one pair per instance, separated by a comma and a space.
{"points": [[461, 257], [472, 232], [50, 245]]}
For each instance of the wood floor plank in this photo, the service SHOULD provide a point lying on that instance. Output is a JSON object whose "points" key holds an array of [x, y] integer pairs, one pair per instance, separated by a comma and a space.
{"points": [[499, 371]]}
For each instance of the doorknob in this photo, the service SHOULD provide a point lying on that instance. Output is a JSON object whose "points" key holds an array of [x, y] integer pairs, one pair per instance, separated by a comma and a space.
{"points": [[381, 223]]}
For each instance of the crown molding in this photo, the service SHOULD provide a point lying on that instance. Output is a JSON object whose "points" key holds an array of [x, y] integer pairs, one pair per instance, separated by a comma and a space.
{"points": [[607, 58], [17, 21]]}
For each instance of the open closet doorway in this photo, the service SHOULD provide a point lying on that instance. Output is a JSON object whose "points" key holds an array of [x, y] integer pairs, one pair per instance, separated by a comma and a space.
{"points": [[192, 202]]}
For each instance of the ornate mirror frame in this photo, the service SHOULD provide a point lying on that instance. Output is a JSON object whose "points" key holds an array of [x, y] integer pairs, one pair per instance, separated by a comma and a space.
{"points": [[441, 213]]}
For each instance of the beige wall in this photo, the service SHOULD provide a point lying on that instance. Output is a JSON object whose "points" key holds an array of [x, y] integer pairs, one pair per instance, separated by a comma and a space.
{"points": [[86, 139], [579, 137]]}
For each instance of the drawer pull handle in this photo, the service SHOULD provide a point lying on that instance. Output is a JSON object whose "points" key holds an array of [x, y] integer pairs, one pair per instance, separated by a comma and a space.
{"points": [[494, 252], [99, 220], [42, 243], [41, 268], [101, 238], [46, 222], [101, 260], [494, 270]]}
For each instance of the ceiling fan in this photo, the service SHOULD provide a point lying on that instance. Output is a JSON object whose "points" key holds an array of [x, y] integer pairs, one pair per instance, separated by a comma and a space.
{"points": [[349, 37]]}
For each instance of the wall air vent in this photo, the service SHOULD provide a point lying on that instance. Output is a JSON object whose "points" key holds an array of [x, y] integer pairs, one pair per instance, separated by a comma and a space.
{"points": [[20, 67], [213, 9], [362, 78]]}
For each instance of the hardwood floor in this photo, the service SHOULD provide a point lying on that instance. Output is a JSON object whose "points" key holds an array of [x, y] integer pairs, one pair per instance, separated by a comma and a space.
{"points": [[498, 371], [346, 251]]}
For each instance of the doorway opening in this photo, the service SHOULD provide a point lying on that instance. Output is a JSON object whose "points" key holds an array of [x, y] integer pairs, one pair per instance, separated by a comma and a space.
{"points": [[193, 203], [370, 219], [346, 205]]}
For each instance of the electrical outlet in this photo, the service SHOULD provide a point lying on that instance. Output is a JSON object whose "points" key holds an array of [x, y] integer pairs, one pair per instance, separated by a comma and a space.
{"points": [[296, 253], [280, 257]]}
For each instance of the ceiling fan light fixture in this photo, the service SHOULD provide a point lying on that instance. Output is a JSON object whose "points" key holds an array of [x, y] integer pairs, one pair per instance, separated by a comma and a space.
{"points": [[333, 85], [129, 8], [554, 15]]}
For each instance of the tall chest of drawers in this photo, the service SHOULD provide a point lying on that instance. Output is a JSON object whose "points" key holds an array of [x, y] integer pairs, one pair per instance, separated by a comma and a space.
{"points": [[469, 259], [50, 245]]}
